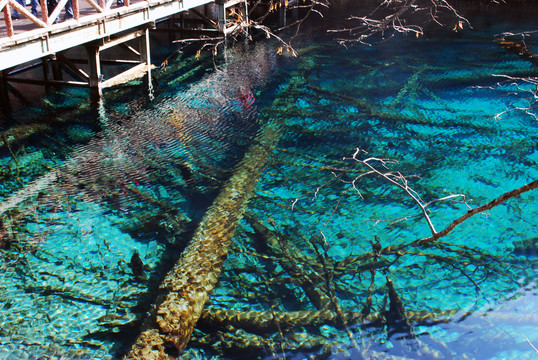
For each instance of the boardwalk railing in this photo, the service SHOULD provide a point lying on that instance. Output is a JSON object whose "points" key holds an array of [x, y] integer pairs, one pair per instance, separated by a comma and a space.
{"points": [[35, 38], [46, 21], [101, 28]]}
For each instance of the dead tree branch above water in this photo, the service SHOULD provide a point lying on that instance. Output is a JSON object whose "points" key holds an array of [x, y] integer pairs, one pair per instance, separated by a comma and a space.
{"points": [[527, 90], [379, 167], [480, 209], [400, 16], [326, 268], [397, 179], [240, 25]]}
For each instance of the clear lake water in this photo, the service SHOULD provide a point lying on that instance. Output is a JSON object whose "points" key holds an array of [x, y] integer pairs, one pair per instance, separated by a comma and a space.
{"points": [[87, 189]]}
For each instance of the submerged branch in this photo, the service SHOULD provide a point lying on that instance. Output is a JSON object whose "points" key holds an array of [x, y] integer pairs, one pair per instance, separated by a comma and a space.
{"points": [[294, 264], [266, 321]]}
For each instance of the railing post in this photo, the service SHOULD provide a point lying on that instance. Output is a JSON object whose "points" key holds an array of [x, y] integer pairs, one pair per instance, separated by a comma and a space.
{"points": [[44, 11], [76, 12], [245, 14], [7, 18]]}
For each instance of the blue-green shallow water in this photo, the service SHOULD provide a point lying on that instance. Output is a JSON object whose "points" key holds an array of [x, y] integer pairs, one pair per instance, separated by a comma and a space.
{"points": [[137, 175]]}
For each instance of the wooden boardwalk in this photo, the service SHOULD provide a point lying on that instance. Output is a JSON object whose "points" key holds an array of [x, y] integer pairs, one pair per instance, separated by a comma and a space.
{"points": [[33, 38], [36, 41]]}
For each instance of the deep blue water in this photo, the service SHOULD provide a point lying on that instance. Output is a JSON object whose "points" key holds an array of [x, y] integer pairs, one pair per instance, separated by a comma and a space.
{"points": [[84, 193]]}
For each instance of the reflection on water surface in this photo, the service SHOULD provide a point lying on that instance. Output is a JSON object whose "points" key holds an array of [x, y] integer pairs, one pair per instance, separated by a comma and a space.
{"points": [[93, 213]]}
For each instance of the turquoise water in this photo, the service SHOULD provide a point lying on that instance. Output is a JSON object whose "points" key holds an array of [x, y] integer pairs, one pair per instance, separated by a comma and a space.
{"points": [[83, 194]]}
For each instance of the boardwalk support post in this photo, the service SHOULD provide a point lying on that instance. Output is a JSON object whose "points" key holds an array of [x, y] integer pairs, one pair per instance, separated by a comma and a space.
{"points": [[4, 93], [45, 67], [94, 63], [282, 12], [221, 15], [57, 69], [145, 52]]}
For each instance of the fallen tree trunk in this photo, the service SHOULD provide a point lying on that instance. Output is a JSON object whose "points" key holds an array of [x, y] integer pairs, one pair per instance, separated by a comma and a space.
{"points": [[269, 321], [187, 287], [251, 345], [32, 189]]}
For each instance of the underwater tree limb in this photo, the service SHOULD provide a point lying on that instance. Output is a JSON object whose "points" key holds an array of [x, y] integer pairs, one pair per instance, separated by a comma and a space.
{"points": [[186, 288], [330, 291], [283, 250], [265, 321], [21, 132], [237, 341], [474, 256], [387, 112], [373, 270], [178, 217], [68, 293], [31, 189]]}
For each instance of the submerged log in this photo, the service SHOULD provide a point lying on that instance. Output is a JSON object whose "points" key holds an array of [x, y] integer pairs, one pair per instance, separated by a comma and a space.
{"points": [[31, 190], [526, 247], [186, 288], [250, 345], [22, 132], [269, 321], [520, 49]]}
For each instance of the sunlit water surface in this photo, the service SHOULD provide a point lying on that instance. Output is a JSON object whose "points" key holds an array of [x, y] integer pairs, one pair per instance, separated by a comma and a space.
{"points": [[85, 190]]}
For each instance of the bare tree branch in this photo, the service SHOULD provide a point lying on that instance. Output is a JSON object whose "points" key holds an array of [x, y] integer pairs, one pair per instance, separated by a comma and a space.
{"points": [[504, 197], [400, 16]]}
